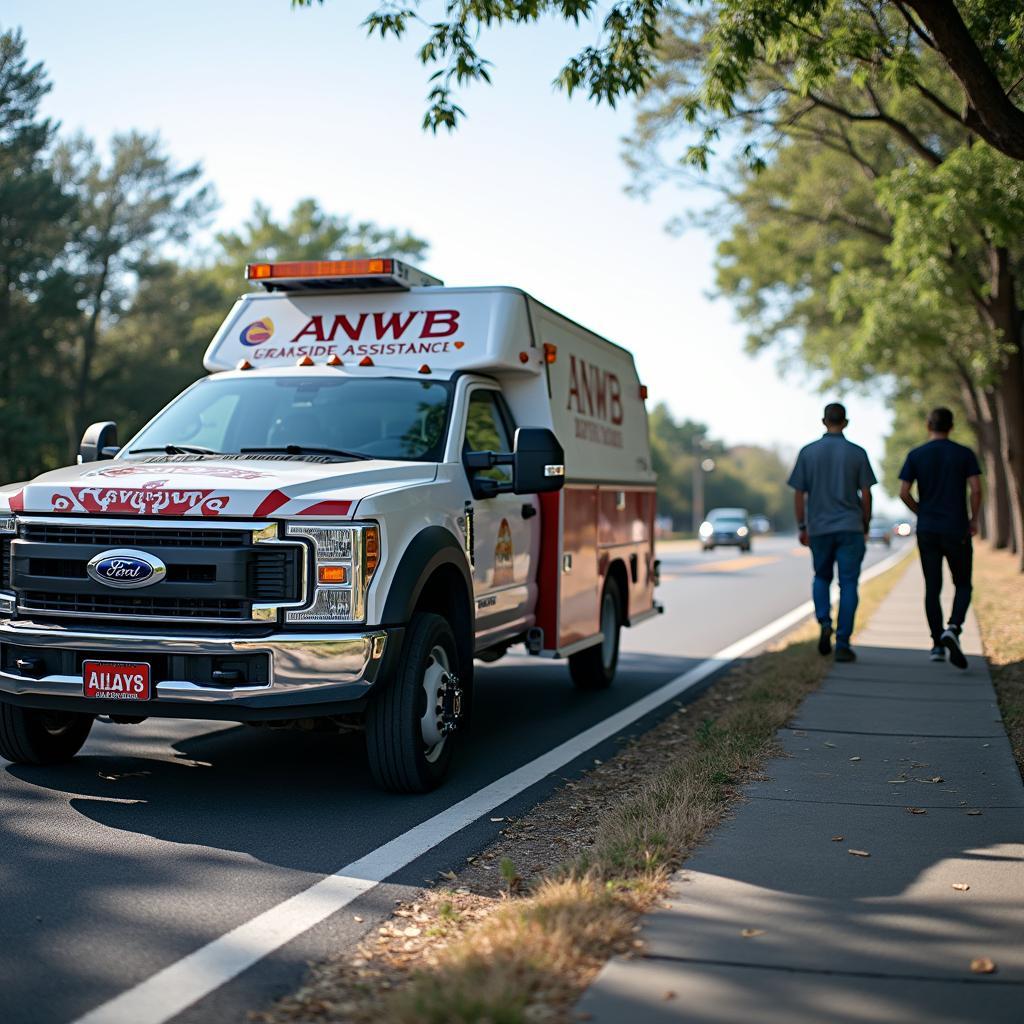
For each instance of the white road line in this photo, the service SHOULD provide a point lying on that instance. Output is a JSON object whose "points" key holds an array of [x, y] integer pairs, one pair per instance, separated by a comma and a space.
{"points": [[170, 991]]}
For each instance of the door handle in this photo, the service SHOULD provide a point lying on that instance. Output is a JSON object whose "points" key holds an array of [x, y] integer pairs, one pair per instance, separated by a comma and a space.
{"points": [[529, 511]]}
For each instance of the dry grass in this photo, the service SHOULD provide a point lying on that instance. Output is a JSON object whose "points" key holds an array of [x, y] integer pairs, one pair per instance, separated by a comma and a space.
{"points": [[517, 945], [999, 605]]}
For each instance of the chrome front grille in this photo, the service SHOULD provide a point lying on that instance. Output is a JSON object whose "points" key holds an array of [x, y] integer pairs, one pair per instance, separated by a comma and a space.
{"points": [[237, 572]]}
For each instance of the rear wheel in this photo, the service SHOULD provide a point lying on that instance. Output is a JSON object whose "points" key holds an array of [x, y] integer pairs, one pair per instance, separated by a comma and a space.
{"points": [[594, 668], [29, 736], [411, 721]]}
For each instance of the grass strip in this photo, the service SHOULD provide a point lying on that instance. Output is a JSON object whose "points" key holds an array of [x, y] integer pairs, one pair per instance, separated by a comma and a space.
{"points": [[497, 947], [999, 605]]}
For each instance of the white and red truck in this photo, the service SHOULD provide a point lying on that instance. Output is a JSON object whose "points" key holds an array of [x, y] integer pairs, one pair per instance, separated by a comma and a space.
{"points": [[381, 479]]}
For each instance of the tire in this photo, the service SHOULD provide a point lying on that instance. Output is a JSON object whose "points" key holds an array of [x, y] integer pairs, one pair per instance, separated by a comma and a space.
{"points": [[594, 668], [28, 736], [399, 730]]}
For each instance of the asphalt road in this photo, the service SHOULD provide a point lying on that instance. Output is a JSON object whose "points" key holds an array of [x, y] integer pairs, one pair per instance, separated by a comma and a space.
{"points": [[162, 836]]}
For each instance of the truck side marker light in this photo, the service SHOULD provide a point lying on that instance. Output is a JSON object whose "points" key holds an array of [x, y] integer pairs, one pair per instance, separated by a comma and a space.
{"points": [[304, 361], [366, 361], [643, 392], [424, 369], [550, 352], [332, 574], [335, 360], [243, 364], [524, 357], [371, 547]]}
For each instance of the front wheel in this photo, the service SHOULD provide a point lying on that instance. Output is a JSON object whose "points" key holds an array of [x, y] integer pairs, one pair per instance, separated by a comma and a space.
{"points": [[594, 668], [28, 736], [411, 721]]}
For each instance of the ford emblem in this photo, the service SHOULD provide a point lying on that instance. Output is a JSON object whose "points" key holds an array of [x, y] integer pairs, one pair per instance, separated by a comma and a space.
{"points": [[126, 568]]}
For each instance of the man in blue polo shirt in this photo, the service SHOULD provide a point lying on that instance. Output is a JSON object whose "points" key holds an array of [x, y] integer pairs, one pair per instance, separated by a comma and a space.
{"points": [[832, 479], [944, 471]]}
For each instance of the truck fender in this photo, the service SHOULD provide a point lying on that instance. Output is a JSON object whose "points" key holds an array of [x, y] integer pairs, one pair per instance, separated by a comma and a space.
{"points": [[427, 552]]}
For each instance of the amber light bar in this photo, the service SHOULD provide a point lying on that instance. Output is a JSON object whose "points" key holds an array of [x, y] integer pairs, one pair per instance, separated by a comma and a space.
{"points": [[303, 269]]}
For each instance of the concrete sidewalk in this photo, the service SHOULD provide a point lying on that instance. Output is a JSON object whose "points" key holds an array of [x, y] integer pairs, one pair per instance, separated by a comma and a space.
{"points": [[774, 920]]}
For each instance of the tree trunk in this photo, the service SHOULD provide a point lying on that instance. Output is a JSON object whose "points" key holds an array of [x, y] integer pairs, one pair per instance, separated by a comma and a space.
{"points": [[1009, 391], [90, 336], [995, 512]]}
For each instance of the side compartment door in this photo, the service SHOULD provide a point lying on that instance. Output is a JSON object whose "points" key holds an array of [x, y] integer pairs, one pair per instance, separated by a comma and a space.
{"points": [[506, 527]]}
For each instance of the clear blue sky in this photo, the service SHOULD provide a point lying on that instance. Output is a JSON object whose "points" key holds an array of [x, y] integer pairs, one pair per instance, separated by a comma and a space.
{"points": [[279, 104]]}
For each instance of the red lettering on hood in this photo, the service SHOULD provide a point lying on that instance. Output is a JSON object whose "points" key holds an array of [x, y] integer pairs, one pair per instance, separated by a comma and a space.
{"points": [[151, 501]]}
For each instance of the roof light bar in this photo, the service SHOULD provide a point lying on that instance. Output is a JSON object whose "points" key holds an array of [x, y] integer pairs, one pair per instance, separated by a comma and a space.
{"points": [[363, 274]]}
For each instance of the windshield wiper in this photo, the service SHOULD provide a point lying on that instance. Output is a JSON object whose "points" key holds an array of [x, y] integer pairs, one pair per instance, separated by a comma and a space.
{"points": [[304, 449], [177, 449]]}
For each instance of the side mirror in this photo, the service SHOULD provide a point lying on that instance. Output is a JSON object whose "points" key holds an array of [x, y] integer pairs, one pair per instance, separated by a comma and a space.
{"points": [[98, 442], [538, 461]]}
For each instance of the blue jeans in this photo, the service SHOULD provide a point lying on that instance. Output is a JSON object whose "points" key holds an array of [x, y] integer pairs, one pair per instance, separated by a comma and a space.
{"points": [[845, 549]]}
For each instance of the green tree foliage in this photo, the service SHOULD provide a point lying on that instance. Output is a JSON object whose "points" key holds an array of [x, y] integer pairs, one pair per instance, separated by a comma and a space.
{"points": [[980, 42], [131, 206], [36, 299]]}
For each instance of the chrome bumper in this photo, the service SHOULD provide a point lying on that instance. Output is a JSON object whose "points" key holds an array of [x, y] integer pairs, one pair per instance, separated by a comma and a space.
{"points": [[304, 667]]}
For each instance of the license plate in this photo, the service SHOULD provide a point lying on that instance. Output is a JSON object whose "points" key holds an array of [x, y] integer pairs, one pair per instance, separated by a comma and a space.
{"points": [[115, 680]]}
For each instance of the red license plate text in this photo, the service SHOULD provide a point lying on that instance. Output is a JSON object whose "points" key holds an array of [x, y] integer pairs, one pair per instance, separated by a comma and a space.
{"points": [[115, 680]]}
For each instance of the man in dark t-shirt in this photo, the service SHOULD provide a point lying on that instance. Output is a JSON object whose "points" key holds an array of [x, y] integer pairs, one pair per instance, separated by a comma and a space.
{"points": [[944, 471]]}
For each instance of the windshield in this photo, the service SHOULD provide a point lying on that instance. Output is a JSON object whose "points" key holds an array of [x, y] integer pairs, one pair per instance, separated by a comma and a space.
{"points": [[380, 417]]}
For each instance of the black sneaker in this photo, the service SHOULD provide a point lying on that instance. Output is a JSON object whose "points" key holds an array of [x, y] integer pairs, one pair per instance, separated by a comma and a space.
{"points": [[938, 653], [950, 639], [825, 639], [845, 654]]}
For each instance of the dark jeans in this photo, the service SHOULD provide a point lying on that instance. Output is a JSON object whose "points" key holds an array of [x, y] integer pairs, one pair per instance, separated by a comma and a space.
{"points": [[844, 549], [959, 553]]}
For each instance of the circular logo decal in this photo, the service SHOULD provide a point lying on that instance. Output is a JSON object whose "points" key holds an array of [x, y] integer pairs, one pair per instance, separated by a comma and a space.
{"points": [[126, 568], [257, 332]]}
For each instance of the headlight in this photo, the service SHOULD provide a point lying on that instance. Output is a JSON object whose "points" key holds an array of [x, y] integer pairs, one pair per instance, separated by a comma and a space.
{"points": [[8, 528], [706, 529], [742, 532], [345, 558]]}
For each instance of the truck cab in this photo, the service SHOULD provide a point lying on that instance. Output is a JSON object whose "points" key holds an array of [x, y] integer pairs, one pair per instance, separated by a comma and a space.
{"points": [[380, 481]]}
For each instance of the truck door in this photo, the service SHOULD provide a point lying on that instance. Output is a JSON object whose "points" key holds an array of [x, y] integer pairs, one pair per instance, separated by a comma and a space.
{"points": [[506, 528]]}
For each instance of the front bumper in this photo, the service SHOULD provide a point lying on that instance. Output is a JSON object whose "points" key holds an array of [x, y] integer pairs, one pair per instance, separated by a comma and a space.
{"points": [[304, 673]]}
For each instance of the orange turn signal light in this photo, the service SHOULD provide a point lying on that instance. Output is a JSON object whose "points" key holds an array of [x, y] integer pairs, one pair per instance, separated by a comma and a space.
{"points": [[366, 361], [550, 352], [643, 392], [243, 364], [304, 361], [335, 360], [371, 548], [332, 574]]}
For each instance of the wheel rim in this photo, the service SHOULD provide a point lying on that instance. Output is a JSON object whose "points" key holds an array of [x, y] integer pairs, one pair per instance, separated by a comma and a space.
{"points": [[609, 629], [442, 703]]}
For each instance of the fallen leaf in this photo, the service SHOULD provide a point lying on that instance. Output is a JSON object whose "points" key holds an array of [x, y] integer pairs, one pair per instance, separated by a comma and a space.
{"points": [[854, 758], [916, 810], [961, 886], [751, 933], [838, 839], [859, 853], [450, 875], [938, 778], [983, 965], [357, 919], [974, 813], [827, 744], [497, 819], [897, 782], [411, 932]]}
